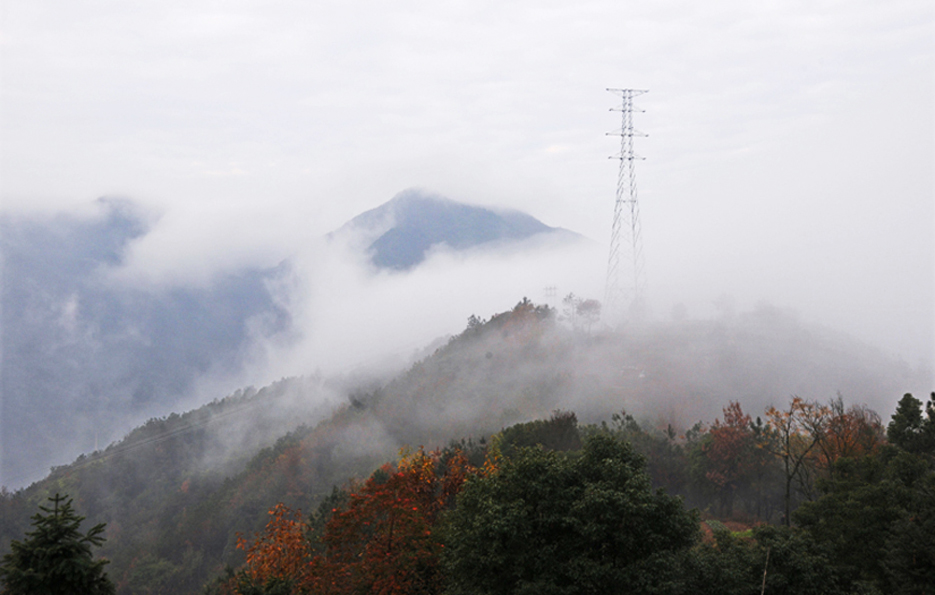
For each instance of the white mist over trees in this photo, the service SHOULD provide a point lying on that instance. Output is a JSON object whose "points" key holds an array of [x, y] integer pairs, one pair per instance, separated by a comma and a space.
{"points": [[91, 350], [86, 357], [789, 156], [787, 223], [178, 489]]}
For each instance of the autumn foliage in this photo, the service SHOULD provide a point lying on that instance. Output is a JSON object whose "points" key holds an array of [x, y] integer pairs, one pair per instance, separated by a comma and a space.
{"points": [[382, 541], [280, 552], [730, 452], [382, 536]]}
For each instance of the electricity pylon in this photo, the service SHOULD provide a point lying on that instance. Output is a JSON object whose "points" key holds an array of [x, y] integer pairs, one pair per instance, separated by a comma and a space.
{"points": [[626, 283]]}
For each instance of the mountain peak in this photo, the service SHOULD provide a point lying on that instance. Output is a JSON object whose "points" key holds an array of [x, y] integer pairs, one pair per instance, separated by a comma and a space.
{"points": [[401, 231], [415, 196]]}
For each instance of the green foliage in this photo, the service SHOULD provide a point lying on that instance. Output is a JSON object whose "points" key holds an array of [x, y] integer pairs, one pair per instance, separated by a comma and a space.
{"points": [[55, 558], [794, 565], [559, 432], [877, 514], [551, 523], [666, 461], [909, 429], [173, 512]]}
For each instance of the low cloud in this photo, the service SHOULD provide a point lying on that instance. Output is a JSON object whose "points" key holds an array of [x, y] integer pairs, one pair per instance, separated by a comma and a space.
{"points": [[348, 314]]}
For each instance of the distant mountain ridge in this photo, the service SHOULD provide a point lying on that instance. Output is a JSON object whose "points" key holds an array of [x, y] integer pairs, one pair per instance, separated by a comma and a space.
{"points": [[399, 233], [85, 359]]}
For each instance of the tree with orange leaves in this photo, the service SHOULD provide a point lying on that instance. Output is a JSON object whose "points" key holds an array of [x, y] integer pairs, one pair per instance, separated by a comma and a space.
{"points": [[278, 560], [728, 451], [380, 541], [384, 541], [850, 432]]}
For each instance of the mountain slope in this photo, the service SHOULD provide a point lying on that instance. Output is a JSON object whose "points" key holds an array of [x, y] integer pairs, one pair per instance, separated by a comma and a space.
{"points": [[177, 490], [85, 358]]}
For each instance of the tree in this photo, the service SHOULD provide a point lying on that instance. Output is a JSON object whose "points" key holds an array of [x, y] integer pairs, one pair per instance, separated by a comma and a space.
{"points": [[729, 452], [474, 324], [666, 463], [878, 516], [383, 541], [575, 308], [279, 557], [909, 430], [552, 523], [559, 432], [795, 433], [570, 305], [378, 538], [794, 564], [877, 511], [55, 558], [589, 311], [850, 432]]}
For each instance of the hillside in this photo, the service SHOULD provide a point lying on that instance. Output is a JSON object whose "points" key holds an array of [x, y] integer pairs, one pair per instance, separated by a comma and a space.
{"points": [[176, 491], [88, 354], [86, 357]]}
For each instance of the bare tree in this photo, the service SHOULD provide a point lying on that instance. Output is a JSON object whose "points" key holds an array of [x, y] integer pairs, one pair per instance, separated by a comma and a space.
{"points": [[795, 433]]}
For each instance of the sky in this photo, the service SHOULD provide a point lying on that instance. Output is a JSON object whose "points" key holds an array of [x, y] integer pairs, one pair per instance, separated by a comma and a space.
{"points": [[789, 155]]}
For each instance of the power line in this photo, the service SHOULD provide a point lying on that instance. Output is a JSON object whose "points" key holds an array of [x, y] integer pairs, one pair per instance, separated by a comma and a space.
{"points": [[122, 448]]}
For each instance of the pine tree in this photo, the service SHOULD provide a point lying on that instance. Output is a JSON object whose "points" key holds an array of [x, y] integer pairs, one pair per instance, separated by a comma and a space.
{"points": [[55, 558], [910, 429]]}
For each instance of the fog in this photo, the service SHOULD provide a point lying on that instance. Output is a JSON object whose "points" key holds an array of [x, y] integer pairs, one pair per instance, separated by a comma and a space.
{"points": [[92, 350], [351, 315], [789, 164]]}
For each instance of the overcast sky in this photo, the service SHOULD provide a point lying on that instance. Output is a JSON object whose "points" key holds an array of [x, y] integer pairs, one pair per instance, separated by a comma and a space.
{"points": [[789, 158]]}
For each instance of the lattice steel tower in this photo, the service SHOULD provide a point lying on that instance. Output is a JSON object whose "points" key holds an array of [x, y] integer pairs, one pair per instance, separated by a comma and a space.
{"points": [[626, 283]]}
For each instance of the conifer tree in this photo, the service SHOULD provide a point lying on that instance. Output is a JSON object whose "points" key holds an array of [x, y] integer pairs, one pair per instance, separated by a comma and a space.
{"points": [[911, 430], [55, 558]]}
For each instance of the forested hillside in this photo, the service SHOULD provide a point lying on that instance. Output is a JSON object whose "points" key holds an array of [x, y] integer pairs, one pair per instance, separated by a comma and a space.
{"points": [[548, 507], [85, 356], [176, 492]]}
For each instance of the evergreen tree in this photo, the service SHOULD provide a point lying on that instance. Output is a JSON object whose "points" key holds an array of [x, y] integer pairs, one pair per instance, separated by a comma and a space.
{"points": [[549, 523], [877, 513], [911, 430], [55, 558]]}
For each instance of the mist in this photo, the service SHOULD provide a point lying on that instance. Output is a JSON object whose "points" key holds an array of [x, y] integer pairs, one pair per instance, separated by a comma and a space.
{"points": [[788, 170], [86, 355], [122, 342], [93, 348]]}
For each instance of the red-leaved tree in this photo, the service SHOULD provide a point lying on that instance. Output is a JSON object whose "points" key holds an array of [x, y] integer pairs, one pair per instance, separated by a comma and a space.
{"points": [[280, 553], [382, 541], [729, 451]]}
